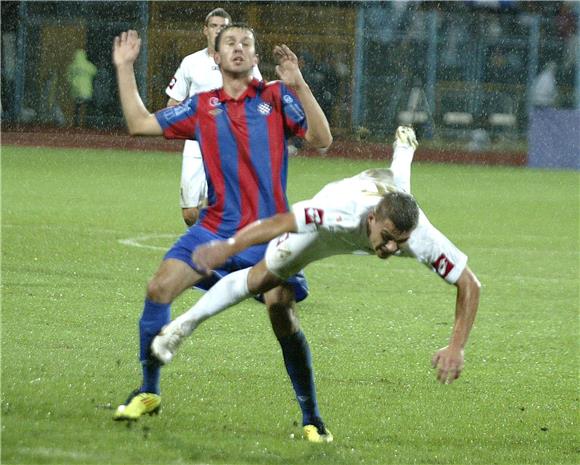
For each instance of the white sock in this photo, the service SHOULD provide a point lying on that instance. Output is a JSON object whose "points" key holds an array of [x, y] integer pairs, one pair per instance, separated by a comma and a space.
{"points": [[401, 166], [228, 291]]}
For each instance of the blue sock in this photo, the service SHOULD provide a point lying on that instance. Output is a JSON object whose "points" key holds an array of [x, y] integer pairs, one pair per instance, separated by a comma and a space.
{"points": [[154, 317], [298, 362]]}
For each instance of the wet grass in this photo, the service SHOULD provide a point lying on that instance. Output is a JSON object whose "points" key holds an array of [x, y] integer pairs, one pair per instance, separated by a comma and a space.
{"points": [[72, 287]]}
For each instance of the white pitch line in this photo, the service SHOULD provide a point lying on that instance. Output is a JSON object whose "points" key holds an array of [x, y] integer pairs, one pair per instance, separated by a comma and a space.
{"points": [[54, 453], [137, 241]]}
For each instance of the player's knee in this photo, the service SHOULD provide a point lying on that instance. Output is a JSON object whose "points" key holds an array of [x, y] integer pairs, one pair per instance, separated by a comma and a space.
{"points": [[282, 311], [157, 291], [283, 319], [190, 215]]}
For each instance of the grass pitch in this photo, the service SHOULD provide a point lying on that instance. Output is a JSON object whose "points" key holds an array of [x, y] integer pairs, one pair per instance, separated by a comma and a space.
{"points": [[83, 230]]}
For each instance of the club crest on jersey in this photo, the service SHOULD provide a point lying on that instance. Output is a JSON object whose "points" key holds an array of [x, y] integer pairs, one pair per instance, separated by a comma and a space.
{"points": [[443, 266], [214, 101], [314, 215], [288, 99], [265, 108], [172, 82]]}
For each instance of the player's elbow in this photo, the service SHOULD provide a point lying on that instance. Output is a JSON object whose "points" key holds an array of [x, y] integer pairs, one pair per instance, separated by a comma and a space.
{"points": [[145, 126], [470, 284], [322, 143]]}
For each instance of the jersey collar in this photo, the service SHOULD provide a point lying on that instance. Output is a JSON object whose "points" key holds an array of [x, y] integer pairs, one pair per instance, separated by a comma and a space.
{"points": [[250, 92]]}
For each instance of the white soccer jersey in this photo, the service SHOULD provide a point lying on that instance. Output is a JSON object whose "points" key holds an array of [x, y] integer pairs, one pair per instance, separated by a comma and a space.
{"points": [[333, 222]]}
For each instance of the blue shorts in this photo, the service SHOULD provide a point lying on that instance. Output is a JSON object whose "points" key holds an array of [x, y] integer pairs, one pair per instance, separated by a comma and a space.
{"points": [[197, 235]]}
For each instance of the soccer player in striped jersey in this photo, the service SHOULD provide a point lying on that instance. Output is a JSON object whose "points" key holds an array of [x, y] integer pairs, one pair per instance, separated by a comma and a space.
{"points": [[197, 73], [242, 129]]}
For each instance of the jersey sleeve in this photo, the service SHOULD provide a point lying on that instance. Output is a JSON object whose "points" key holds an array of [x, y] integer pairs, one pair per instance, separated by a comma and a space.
{"points": [[179, 121], [294, 116], [436, 251], [317, 215], [178, 88]]}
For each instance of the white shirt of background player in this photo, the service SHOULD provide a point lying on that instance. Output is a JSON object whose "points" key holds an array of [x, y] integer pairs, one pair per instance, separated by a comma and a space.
{"points": [[197, 72]]}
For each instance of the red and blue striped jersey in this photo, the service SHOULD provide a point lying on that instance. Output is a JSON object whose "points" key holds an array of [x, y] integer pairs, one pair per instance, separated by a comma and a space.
{"points": [[244, 147]]}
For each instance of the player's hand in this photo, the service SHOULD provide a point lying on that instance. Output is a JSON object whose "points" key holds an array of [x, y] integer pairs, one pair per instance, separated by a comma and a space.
{"points": [[211, 255], [287, 69], [448, 362], [126, 48]]}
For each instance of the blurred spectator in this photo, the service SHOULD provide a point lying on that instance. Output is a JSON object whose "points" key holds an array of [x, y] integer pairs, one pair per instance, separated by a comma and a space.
{"points": [[544, 89], [80, 75]]}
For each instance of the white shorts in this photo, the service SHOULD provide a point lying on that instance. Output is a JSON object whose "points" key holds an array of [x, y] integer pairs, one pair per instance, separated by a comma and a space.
{"points": [[289, 253], [193, 183]]}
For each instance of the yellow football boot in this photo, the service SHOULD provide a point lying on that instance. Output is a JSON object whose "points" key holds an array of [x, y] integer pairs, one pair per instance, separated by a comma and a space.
{"points": [[318, 435], [137, 405]]}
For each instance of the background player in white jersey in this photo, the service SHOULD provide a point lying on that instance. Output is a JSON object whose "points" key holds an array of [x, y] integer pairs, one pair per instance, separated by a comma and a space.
{"points": [[372, 213], [197, 72]]}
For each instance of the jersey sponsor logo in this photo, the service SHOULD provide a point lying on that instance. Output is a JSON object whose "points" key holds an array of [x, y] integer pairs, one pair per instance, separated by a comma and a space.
{"points": [[314, 215], [215, 111], [172, 82], [443, 266], [265, 108]]}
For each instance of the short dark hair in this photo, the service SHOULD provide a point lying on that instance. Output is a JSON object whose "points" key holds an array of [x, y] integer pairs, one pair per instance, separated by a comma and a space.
{"points": [[217, 12], [235, 26], [399, 207]]}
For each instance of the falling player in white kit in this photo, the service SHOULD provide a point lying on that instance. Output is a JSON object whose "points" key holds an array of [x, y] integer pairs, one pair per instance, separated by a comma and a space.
{"points": [[197, 72], [372, 213]]}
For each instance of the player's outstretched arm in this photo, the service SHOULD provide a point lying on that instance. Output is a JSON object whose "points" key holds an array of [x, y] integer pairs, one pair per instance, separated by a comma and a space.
{"points": [[210, 256], [318, 133], [139, 121], [449, 360]]}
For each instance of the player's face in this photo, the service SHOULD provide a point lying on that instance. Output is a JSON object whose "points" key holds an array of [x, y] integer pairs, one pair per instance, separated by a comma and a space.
{"points": [[214, 25], [237, 53], [385, 239]]}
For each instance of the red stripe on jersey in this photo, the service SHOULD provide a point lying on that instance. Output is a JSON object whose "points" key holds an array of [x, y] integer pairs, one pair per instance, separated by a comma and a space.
{"points": [[248, 187], [183, 129], [212, 161], [276, 138]]}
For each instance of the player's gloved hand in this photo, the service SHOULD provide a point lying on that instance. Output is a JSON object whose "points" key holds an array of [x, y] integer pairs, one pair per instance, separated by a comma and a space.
{"points": [[448, 362], [126, 48], [211, 255]]}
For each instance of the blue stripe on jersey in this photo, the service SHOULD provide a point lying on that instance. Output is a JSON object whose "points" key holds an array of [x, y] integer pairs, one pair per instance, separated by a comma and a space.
{"points": [[292, 106], [178, 113]]}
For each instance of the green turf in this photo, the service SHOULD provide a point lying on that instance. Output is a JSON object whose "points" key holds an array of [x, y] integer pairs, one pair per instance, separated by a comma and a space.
{"points": [[72, 293]]}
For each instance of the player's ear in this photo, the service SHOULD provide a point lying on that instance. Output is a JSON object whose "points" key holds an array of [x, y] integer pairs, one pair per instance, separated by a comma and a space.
{"points": [[217, 58], [256, 59]]}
